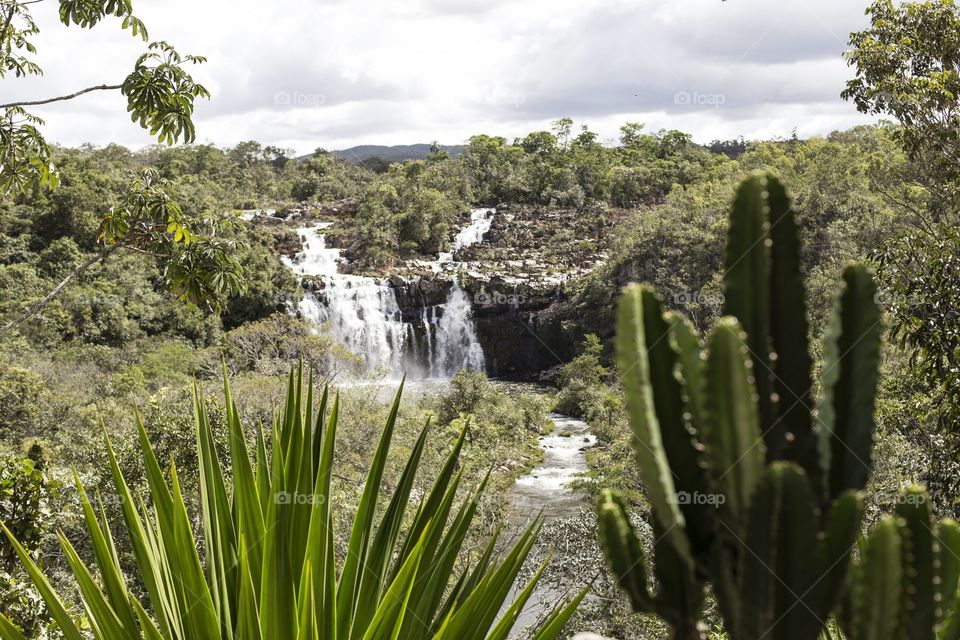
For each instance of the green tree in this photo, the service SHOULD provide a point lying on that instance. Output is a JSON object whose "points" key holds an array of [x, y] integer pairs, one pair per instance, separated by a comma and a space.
{"points": [[160, 95], [581, 382], [908, 66]]}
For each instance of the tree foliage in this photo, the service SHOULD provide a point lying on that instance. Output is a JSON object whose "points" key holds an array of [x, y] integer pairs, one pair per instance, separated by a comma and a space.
{"points": [[160, 95], [907, 66]]}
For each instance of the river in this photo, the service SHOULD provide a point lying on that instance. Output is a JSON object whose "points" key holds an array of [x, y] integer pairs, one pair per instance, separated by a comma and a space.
{"points": [[546, 489]]}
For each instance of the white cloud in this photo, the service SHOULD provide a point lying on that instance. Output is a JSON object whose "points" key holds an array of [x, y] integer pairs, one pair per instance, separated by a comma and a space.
{"points": [[303, 74]]}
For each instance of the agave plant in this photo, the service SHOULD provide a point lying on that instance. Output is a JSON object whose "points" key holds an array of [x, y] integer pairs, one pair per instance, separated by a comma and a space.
{"points": [[269, 570]]}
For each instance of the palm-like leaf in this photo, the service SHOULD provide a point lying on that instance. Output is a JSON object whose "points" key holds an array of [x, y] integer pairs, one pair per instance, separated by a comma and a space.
{"points": [[269, 568]]}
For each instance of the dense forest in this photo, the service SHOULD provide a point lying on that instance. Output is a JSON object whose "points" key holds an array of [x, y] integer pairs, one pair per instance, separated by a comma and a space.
{"points": [[186, 453]]}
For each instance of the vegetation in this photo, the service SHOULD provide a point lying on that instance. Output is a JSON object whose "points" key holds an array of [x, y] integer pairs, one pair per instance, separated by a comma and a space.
{"points": [[160, 95], [765, 453], [736, 467], [268, 567]]}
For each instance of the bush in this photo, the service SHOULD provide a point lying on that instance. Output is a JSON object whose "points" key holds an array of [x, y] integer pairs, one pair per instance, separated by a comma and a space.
{"points": [[22, 396], [27, 510], [266, 346], [583, 393], [467, 390]]}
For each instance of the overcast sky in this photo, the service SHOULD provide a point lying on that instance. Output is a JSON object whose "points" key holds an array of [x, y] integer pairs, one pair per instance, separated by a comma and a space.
{"points": [[308, 73]]}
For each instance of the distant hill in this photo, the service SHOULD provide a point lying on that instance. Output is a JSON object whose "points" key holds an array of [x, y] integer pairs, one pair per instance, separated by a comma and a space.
{"points": [[393, 153]]}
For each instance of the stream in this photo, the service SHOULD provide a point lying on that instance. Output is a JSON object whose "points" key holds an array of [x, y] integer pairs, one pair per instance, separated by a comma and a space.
{"points": [[547, 490], [544, 490]]}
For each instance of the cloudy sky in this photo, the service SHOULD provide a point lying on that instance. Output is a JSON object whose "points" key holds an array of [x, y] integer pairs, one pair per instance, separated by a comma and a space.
{"points": [[335, 73]]}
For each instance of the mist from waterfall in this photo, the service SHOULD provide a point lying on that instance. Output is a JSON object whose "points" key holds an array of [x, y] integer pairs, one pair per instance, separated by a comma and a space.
{"points": [[363, 313]]}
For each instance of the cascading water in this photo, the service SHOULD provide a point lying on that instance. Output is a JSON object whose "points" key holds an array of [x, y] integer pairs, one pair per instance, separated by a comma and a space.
{"points": [[455, 343], [480, 222], [363, 312]]}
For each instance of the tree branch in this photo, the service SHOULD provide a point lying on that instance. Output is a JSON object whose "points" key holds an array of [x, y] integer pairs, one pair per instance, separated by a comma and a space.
{"points": [[27, 103], [7, 21], [57, 289]]}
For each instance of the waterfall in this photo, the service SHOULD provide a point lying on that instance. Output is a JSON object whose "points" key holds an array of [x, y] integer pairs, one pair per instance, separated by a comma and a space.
{"points": [[457, 346], [363, 313]]}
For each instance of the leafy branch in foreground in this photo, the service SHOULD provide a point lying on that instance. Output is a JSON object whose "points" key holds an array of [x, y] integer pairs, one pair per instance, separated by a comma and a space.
{"points": [[268, 567], [160, 97], [751, 489], [160, 92]]}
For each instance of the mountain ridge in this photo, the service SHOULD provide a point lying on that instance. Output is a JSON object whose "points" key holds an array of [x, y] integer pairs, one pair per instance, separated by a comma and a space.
{"points": [[393, 153]]}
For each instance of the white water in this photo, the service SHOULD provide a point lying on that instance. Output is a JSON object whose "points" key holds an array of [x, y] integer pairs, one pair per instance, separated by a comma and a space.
{"points": [[480, 222], [547, 490], [457, 346], [363, 313], [547, 487]]}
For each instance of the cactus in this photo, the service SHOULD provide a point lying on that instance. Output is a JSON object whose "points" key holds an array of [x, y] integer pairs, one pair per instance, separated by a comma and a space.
{"points": [[904, 584], [751, 490]]}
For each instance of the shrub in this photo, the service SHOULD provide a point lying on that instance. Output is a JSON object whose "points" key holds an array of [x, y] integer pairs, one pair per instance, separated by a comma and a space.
{"points": [[582, 391], [26, 509], [22, 394], [467, 390]]}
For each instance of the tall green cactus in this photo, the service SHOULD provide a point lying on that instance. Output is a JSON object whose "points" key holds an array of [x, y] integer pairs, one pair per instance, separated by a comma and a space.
{"points": [[904, 584], [750, 488]]}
